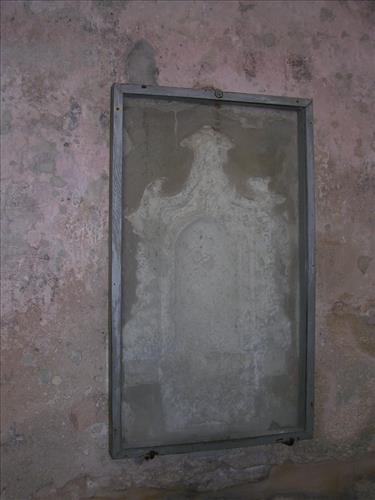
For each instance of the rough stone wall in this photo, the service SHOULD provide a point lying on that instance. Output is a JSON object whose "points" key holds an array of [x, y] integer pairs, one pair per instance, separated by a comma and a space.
{"points": [[59, 59]]}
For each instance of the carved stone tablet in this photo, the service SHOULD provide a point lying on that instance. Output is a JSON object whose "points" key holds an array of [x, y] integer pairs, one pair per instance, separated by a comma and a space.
{"points": [[213, 333]]}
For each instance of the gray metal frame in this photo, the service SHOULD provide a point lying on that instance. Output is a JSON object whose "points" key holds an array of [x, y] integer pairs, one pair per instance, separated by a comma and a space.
{"points": [[307, 258]]}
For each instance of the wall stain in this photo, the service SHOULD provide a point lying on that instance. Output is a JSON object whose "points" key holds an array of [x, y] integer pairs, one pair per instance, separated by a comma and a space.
{"points": [[365, 181], [268, 39], [345, 79], [44, 161], [358, 320], [326, 14], [364, 38], [74, 114], [246, 6], [140, 64], [363, 263], [6, 120], [250, 65], [300, 67], [104, 120]]}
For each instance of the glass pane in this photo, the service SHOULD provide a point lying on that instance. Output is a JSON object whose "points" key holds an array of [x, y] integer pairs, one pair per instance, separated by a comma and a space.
{"points": [[211, 272]]}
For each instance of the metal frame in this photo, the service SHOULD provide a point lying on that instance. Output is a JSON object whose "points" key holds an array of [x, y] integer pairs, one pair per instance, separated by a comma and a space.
{"points": [[307, 262]]}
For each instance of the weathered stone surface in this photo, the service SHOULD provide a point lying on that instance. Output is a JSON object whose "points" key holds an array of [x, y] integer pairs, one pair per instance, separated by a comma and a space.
{"points": [[59, 59], [350, 480]]}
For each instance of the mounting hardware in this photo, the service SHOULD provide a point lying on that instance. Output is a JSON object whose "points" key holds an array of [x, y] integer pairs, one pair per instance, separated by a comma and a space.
{"points": [[287, 442], [151, 455]]}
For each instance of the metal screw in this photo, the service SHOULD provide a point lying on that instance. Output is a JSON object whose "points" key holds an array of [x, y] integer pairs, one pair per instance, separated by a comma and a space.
{"points": [[218, 93]]}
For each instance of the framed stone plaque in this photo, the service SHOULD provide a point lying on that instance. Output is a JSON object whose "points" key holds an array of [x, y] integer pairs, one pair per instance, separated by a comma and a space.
{"points": [[212, 270]]}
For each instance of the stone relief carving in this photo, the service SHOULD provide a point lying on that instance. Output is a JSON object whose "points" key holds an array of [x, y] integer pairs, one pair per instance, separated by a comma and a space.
{"points": [[207, 334]]}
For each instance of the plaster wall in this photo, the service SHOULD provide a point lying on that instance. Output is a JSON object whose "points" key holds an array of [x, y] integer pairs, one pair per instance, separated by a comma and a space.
{"points": [[59, 60]]}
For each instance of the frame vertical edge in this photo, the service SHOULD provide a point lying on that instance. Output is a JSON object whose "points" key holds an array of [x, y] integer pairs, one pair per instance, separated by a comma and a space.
{"points": [[115, 346], [303, 268], [310, 230]]}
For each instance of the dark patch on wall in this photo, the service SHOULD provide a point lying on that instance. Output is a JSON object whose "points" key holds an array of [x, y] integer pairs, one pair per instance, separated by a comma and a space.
{"points": [[268, 39], [73, 115], [13, 438], [363, 263], [320, 38], [363, 107], [107, 5], [104, 119], [89, 26], [57, 181], [250, 65], [300, 67], [49, 121], [355, 382], [344, 80], [36, 89], [366, 179], [140, 64], [6, 121], [245, 6], [364, 38], [45, 160], [367, 9], [109, 11], [326, 14]]}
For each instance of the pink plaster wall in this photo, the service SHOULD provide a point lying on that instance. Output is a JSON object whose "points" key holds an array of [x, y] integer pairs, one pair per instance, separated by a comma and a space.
{"points": [[59, 60]]}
